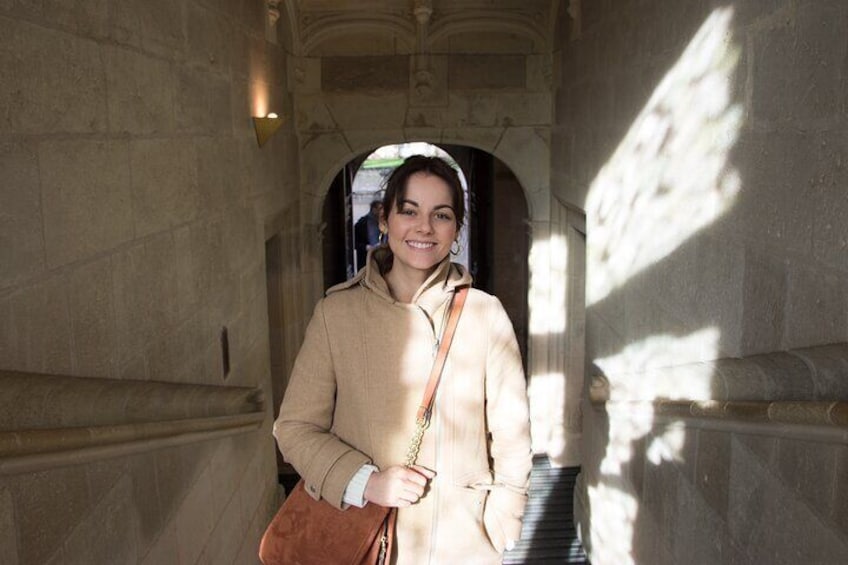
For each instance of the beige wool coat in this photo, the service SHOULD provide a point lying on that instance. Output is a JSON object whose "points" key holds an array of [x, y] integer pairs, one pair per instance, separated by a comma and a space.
{"points": [[353, 395]]}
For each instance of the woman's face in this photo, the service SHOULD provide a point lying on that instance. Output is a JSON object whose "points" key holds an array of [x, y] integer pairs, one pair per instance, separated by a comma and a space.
{"points": [[421, 233]]}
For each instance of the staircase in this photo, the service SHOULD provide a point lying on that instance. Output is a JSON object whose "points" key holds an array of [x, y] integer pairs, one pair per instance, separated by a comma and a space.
{"points": [[549, 534]]}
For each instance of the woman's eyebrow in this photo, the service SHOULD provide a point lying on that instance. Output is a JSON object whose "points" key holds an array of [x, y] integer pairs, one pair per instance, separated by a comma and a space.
{"points": [[414, 203]]}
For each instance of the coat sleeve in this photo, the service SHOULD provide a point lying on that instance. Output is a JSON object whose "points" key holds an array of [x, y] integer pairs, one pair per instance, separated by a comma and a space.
{"points": [[302, 429], [508, 421]]}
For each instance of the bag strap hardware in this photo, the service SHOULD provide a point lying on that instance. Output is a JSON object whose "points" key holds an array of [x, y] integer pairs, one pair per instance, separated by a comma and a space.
{"points": [[422, 420]]}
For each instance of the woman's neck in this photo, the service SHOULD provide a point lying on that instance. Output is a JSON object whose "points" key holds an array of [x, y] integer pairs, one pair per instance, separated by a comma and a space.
{"points": [[404, 285]]}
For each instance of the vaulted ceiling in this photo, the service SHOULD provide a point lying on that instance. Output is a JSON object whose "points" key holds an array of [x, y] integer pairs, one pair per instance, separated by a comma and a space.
{"points": [[376, 27]]}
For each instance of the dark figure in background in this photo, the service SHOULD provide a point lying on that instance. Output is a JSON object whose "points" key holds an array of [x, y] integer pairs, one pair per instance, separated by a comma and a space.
{"points": [[366, 233]]}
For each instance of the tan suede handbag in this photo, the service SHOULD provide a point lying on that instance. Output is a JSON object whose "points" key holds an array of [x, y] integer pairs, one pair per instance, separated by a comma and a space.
{"points": [[306, 531]]}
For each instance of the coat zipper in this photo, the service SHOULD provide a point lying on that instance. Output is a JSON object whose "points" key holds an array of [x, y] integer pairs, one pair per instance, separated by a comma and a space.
{"points": [[437, 429]]}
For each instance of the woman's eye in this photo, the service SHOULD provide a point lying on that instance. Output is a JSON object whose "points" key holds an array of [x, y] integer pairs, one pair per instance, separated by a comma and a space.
{"points": [[443, 216], [408, 211]]}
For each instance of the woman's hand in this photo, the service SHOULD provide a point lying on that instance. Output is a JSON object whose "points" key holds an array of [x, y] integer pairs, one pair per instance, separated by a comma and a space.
{"points": [[398, 486]]}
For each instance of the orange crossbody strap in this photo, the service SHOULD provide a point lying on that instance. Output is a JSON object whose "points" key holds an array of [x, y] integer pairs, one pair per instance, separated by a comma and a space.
{"points": [[457, 303]]}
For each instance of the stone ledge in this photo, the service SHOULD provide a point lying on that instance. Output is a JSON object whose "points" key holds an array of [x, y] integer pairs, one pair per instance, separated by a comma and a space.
{"points": [[800, 394], [813, 374], [30, 451], [54, 420], [39, 401]]}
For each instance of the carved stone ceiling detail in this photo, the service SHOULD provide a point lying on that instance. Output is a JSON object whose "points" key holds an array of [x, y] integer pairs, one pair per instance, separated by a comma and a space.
{"points": [[421, 26]]}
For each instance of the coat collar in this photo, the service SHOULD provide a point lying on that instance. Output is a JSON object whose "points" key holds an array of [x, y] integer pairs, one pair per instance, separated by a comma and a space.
{"points": [[439, 285]]}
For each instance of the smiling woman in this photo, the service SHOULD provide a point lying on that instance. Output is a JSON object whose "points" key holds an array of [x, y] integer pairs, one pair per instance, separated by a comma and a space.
{"points": [[354, 392]]}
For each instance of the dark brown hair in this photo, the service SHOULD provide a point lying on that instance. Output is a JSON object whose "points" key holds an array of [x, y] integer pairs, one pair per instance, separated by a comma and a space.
{"points": [[399, 179]]}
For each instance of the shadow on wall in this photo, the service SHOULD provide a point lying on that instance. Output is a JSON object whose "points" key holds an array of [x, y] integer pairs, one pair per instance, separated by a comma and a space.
{"points": [[653, 246], [695, 234]]}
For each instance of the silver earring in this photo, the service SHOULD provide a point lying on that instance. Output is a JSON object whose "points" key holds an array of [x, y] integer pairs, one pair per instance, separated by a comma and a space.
{"points": [[458, 247]]}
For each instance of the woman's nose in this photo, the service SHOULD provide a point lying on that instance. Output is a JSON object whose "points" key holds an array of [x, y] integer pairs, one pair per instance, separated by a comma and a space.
{"points": [[425, 225]]}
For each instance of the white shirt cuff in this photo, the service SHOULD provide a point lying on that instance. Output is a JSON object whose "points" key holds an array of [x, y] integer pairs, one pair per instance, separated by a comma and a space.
{"points": [[354, 493]]}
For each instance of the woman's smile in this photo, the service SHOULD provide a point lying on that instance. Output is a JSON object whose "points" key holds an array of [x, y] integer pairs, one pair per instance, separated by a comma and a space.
{"points": [[423, 245]]}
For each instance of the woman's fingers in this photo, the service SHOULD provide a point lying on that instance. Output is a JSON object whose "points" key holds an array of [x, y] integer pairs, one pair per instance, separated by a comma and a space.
{"points": [[423, 471], [398, 486]]}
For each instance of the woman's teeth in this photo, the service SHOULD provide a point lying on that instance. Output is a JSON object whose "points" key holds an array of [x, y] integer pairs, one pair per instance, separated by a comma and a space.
{"points": [[420, 244]]}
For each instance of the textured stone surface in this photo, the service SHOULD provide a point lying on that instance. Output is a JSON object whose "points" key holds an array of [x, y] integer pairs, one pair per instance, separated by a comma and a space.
{"points": [[208, 38], [816, 305], [88, 19], [743, 379], [659, 498], [838, 509], [41, 340], [107, 534], [718, 303], [827, 186], [364, 73], [486, 72], [21, 235], [177, 355], [203, 104], [357, 111], [164, 550], [48, 505], [790, 376], [763, 302], [712, 469], [217, 174], [194, 520], [145, 294], [92, 319], [700, 535], [809, 468], [127, 143], [155, 26], [776, 208], [222, 549], [140, 92], [8, 533], [829, 365], [86, 198], [753, 491], [785, 66], [164, 184], [44, 69], [428, 81]]}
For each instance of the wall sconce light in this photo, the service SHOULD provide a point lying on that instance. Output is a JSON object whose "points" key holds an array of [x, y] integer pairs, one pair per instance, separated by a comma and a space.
{"points": [[266, 127]]}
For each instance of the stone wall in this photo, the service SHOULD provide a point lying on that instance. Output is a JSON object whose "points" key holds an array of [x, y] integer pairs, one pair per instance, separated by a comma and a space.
{"points": [[134, 207], [705, 142]]}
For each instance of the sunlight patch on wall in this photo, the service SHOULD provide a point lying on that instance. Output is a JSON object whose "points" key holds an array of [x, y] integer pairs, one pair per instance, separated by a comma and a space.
{"points": [[547, 318], [548, 264], [630, 364], [668, 445], [613, 516], [546, 394], [669, 178]]}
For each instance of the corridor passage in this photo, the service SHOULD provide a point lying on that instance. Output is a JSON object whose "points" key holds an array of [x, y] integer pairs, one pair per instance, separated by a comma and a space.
{"points": [[549, 534]]}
